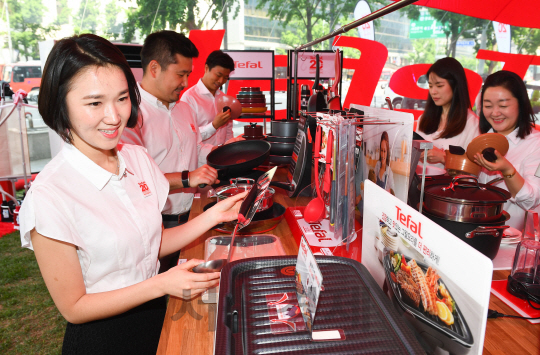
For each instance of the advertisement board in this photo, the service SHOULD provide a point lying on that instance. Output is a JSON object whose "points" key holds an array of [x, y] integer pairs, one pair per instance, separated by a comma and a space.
{"points": [[438, 282], [426, 27], [252, 64]]}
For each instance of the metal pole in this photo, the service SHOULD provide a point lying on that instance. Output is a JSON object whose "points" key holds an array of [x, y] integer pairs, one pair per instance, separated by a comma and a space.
{"points": [[374, 15], [19, 107]]}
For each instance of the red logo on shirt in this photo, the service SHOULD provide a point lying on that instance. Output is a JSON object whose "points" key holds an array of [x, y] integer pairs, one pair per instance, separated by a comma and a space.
{"points": [[144, 188], [192, 127]]}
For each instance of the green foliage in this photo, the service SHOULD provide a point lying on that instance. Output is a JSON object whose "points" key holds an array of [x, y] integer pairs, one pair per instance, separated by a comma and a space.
{"points": [[62, 12], [29, 321], [424, 51], [308, 14], [25, 18], [111, 12], [88, 18], [526, 39], [177, 13]]}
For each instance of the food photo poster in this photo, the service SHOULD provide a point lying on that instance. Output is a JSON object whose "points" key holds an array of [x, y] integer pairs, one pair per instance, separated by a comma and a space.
{"points": [[383, 155], [439, 283]]}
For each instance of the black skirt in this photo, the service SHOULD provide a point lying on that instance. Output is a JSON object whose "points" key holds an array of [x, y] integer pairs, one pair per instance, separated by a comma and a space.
{"points": [[136, 331]]}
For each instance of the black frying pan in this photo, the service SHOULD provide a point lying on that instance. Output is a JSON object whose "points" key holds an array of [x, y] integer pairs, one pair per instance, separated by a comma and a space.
{"points": [[239, 157]]}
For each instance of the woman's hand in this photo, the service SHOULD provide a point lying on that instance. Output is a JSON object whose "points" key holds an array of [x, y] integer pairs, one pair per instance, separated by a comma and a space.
{"points": [[227, 210], [435, 155], [181, 282], [501, 164]]}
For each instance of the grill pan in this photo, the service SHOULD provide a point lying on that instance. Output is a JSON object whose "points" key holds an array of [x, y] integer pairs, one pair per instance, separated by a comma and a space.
{"points": [[458, 336], [351, 301]]}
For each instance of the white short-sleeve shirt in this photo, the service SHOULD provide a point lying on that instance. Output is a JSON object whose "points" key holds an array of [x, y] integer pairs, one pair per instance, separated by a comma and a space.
{"points": [[204, 110], [114, 221], [172, 139], [463, 139], [524, 154]]}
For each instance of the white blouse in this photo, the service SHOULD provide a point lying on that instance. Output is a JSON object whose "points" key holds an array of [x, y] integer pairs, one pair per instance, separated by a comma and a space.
{"points": [[114, 221], [463, 139], [524, 154], [204, 110], [173, 140], [388, 176]]}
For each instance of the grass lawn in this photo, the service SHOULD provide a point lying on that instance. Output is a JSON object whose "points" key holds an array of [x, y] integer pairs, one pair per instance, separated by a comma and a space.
{"points": [[29, 320]]}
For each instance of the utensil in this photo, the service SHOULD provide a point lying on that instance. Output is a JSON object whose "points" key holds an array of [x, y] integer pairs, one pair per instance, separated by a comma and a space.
{"points": [[485, 237], [464, 199], [487, 140], [228, 101], [239, 185], [328, 171], [281, 148], [460, 164], [317, 101], [335, 102], [284, 128], [315, 209], [333, 192], [247, 210], [240, 156]]}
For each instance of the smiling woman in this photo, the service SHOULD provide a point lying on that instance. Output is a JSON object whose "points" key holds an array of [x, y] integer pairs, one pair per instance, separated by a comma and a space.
{"points": [[93, 214], [506, 109]]}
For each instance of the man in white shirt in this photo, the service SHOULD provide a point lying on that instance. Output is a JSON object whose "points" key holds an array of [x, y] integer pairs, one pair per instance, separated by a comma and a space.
{"points": [[166, 128], [215, 127]]}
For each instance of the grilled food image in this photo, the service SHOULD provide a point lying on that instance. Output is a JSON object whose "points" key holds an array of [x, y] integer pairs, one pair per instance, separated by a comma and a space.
{"points": [[425, 287]]}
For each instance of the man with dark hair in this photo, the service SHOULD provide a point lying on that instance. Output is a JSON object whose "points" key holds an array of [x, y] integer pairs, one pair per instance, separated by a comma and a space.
{"points": [[215, 127], [166, 128]]}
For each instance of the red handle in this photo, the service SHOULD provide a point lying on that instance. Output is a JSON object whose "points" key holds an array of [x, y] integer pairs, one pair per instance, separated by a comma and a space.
{"points": [[317, 156], [327, 173]]}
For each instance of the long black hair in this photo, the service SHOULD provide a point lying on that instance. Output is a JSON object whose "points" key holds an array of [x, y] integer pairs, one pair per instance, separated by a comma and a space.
{"points": [[67, 59], [513, 83], [451, 70]]}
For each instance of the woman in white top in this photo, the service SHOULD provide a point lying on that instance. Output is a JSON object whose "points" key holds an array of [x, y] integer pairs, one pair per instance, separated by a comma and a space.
{"points": [[93, 216], [447, 119], [506, 109], [383, 173]]}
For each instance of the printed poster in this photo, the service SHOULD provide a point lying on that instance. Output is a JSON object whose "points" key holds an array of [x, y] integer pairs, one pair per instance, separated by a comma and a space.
{"points": [[438, 282]]}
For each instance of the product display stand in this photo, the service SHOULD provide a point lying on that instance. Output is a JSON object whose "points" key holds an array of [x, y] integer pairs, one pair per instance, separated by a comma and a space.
{"points": [[264, 116], [292, 77]]}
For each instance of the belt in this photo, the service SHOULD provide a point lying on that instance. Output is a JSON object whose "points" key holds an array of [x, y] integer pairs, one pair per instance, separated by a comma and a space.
{"points": [[180, 218]]}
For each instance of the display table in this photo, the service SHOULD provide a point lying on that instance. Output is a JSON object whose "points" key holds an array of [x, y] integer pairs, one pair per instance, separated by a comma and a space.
{"points": [[189, 326]]}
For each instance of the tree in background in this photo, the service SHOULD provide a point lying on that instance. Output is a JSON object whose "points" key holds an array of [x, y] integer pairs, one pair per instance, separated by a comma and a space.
{"points": [[172, 14], [527, 40], [112, 28], [308, 13], [88, 18], [62, 12], [26, 17], [424, 51]]}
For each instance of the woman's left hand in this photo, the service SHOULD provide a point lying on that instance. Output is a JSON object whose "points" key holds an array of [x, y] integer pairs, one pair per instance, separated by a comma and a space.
{"points": [[501, 164], [227, 210], [435, 155]]}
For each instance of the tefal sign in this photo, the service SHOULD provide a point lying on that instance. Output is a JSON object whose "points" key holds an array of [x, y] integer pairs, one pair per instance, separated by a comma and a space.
{"points": [[252, 64]]}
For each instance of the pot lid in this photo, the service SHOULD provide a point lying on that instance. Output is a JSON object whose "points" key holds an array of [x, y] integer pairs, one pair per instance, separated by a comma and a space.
{"points": [[466, 189], [487, 140]]}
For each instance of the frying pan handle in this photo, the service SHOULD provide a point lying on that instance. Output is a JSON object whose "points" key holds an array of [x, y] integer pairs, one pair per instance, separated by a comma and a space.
{"points": [[495, 231], [221, 174], [282, 185]]}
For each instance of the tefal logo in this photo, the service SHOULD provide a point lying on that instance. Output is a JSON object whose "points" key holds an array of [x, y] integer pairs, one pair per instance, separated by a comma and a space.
{"points": [[319, 231], [248, 64], [406, 220], [304, 249]]}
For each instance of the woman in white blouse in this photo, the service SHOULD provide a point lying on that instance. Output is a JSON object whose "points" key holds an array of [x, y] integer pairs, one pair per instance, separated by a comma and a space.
{"points": [[383, 172], [93, 216], [506, 109], [447, 119]]}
